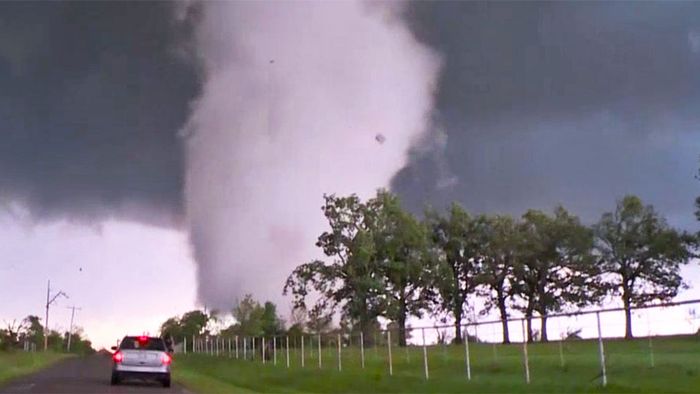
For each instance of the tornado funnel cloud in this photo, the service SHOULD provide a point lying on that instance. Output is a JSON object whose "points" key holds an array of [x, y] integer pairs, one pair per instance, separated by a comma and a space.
{"points": [[294, 99]]}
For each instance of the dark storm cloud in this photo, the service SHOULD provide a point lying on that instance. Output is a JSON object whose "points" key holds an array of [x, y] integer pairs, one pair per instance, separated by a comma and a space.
{"points": [[92, 95], [569, 102]]}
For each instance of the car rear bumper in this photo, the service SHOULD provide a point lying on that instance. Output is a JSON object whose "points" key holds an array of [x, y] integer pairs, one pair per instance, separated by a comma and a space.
{"points": [[142, 369]]}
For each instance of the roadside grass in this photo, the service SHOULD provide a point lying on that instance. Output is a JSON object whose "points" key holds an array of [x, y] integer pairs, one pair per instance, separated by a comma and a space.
{"points": [[497, 368], [15, 364]]}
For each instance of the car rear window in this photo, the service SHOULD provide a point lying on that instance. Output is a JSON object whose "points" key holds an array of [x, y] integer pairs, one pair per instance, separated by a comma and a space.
{"points": [[137, 343]]}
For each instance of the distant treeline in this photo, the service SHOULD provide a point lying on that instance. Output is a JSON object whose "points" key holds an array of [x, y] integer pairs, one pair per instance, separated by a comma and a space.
{"points": [[28, 334]]}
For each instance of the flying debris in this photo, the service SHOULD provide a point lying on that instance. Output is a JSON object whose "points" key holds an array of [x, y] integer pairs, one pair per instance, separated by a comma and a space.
{"points": [[380, 138]]}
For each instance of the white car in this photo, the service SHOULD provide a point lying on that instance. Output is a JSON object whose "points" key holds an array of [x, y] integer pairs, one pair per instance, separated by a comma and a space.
{"points": [[141, 357]]}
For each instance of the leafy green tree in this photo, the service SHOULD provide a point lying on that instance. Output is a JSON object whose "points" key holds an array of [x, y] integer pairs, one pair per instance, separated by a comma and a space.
{"points": [[192, 323], [34, 331], [502, 239], [352, 281], [171, 328], [249, 317], [554, 267], [272, 325], [640, 255], [401, 246], [459, 240]]}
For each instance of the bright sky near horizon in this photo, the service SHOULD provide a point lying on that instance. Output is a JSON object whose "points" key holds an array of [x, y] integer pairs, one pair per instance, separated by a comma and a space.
{"points": [[133, 276]]}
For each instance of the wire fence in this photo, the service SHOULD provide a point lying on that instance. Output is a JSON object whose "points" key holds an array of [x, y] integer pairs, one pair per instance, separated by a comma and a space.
{"points": [[591, 341]]}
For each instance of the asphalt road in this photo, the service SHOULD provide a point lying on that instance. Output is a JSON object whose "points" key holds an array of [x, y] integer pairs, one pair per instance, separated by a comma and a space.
{"points": [[82, 375]]}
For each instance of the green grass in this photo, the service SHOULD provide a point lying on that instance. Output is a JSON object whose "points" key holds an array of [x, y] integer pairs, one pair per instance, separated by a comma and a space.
{"points": [[16, 364], [677, 369]]}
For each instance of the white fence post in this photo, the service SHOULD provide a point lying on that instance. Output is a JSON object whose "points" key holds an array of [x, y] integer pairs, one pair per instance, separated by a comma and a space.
{"points": [[362, 350], [561, 353], [340, 355], [252, 353], [302, 351], [245, 348], [425, 356], [262, 347], [466, 353], [184, 345], [526, 359], [287, 351], [274, 350], [320, 362], [601, 350], [391, 364], [236, 347]]}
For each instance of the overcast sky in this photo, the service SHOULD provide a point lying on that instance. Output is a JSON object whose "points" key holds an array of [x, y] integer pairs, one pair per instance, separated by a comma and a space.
{"points": [[534, 104]]}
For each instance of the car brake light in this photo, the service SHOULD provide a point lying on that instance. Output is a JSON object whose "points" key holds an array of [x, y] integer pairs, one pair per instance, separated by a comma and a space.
{"points": [[166, 359], [118, 357]]}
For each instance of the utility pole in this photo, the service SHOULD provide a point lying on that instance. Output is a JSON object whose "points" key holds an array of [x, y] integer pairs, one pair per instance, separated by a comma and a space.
{"points": [[49, 301], [70, 331]]}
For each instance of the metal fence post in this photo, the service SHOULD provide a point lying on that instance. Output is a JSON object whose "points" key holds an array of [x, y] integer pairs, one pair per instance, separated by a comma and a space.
{"points": [[425, 356], [391, 365], [302, 351], [527, 360], [466, 353], [274, 350], [287, 351], [601, 350], [340, 356], [362, 350]]}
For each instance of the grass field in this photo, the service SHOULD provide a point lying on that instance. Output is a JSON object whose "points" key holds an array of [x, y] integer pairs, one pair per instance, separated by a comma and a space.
{"points": [[16, 364], [494, 369]]}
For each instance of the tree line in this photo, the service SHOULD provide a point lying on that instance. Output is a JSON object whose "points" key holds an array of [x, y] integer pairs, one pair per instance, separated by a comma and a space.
{"points": [[30, 331], [384, 262]]}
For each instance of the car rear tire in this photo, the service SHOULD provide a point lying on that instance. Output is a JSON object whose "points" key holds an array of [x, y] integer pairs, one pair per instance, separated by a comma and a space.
{"points": [[166, 381], [116, 379]]}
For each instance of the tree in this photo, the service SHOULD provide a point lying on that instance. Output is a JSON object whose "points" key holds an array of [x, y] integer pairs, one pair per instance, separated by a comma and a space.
{"points": [[499, 253], [190, 324], [34, 331], [318, 322], [272, 325], [554, 267], [640, 255], [351, 282], [171, 328], [249, 317], [401, 245], [459, 240]]}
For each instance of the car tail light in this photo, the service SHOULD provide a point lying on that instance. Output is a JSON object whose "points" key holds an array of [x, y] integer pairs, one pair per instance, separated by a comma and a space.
{"points": [[167, 359], [118, 357]]}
